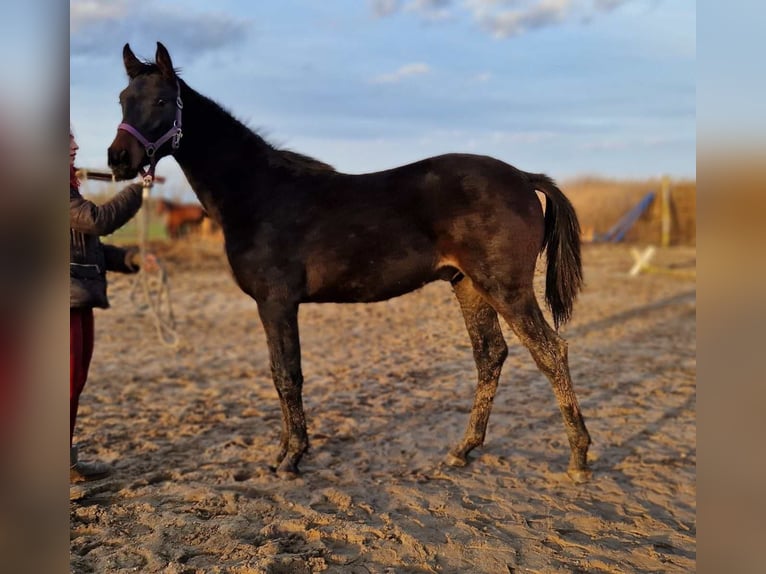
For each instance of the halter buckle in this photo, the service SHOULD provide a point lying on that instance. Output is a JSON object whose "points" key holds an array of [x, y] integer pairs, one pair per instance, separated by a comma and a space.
{"points": [[177, 139], [148, 181]]}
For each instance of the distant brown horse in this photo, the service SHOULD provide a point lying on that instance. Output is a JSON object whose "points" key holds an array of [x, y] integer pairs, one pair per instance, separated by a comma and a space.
{"points": [[180, 218]]}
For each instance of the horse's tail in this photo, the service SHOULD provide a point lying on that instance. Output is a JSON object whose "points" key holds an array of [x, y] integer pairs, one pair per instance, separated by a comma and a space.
{"points": [[563, 279]]}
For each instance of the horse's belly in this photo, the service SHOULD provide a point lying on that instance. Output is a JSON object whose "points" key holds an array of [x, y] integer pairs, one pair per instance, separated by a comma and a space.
{"points": [[366, 281]]}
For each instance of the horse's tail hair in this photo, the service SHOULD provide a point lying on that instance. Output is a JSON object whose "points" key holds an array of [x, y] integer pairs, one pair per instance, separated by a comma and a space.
{"points": [[563, 279]]}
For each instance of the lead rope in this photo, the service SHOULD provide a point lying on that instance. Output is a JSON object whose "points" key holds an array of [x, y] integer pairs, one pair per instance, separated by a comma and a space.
{"points": [[157, 299]]}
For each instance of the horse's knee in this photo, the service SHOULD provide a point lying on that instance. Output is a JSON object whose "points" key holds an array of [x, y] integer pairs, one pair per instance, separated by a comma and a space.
{"points": [[498, 352], [490, 354], [548, 349], [289, 388], [559, 345]]}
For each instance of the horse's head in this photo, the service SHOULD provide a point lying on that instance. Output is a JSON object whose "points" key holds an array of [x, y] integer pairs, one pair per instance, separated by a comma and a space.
{"points": [[151, 114]]}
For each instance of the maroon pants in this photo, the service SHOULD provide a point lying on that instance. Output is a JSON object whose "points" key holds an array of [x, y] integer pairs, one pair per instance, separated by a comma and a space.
{"points": [[11, 385], [80, 353]]}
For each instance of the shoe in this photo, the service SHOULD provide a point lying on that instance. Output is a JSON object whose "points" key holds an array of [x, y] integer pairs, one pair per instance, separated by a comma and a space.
{"points": [[81, 471]]}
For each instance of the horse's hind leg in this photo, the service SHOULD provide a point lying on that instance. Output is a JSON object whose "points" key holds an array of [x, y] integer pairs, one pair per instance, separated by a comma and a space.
{"points": [[520, 309], [489, 351], [280, 321]]}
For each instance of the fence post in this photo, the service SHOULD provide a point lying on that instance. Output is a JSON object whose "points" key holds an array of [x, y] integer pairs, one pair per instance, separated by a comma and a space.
{"points": [[665, 210]]}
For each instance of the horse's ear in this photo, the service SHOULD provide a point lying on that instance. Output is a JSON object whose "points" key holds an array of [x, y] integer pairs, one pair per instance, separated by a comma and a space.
{"points": [[133, 65], [164, 63]]}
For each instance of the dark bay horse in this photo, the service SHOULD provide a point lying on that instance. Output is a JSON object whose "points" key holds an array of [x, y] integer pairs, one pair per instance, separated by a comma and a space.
{"points": [[297, 231], [180, 218]]}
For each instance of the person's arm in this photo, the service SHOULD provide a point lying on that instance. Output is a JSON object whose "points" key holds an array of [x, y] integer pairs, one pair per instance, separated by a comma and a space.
{"points": [[91, 218]]}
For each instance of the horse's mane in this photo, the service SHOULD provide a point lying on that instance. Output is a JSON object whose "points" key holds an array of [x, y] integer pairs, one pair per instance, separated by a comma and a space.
{"points": [[299, 161], [290, 160], [285, 158]]}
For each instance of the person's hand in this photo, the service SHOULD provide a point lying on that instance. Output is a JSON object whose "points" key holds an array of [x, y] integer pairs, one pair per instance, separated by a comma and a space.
{"points": [[150, 263], [147, 263]]}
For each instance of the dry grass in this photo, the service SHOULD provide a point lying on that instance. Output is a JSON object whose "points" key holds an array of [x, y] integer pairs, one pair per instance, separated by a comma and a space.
{"points": [[600, 203]]}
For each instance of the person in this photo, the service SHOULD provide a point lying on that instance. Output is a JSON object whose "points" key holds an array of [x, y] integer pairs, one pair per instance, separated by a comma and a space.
{"points": [[89, 259]]}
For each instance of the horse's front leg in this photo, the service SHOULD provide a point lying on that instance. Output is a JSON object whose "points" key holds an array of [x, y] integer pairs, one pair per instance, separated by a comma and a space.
{"points": [[280, 321]]}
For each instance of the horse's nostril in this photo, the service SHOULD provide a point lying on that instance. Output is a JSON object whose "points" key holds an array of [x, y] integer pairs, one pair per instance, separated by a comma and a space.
{"points": [[117, 157]]}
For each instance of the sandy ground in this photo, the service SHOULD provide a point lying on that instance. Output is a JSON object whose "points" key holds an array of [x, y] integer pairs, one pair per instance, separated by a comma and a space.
{"points": [[191, 431]]}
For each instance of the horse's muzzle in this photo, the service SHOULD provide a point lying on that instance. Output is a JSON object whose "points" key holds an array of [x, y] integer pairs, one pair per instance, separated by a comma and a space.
{"points": [[124, 157], [118, 157]]}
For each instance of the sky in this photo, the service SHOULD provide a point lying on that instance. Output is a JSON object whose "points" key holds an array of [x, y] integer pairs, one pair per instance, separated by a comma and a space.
{"points": [[565, 87]]}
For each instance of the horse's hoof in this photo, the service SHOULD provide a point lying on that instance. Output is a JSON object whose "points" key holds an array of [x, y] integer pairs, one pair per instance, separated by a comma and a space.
{"points": [[287, 474], [579, 475], [287, 471], [454, 460]]}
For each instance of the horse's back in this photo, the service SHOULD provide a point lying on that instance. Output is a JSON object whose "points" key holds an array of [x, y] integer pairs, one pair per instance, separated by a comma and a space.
{"points": [[454, 181], [457, 193]]}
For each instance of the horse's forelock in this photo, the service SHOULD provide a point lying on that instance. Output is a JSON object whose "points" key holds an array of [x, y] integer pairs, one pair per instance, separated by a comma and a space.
{"points": [[149, 68]]}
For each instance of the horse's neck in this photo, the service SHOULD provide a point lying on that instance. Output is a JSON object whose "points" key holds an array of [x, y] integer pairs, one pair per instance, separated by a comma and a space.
{"points": [[211, 153]]}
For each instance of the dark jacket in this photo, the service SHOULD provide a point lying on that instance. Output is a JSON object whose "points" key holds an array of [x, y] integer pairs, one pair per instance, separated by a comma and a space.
{"points": [[89, 259]]}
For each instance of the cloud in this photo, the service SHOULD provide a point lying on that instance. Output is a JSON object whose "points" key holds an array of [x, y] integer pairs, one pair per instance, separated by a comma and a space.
{"points": [[508, 23], [627, 143], [431, 10], [87, 12], [608, 5], [406, 71], [383, 8], [96, 25], [503, 18], [430, 4]]}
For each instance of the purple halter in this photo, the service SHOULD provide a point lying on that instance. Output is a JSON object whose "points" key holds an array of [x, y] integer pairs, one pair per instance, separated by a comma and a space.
{"points": [[174, 134]]}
